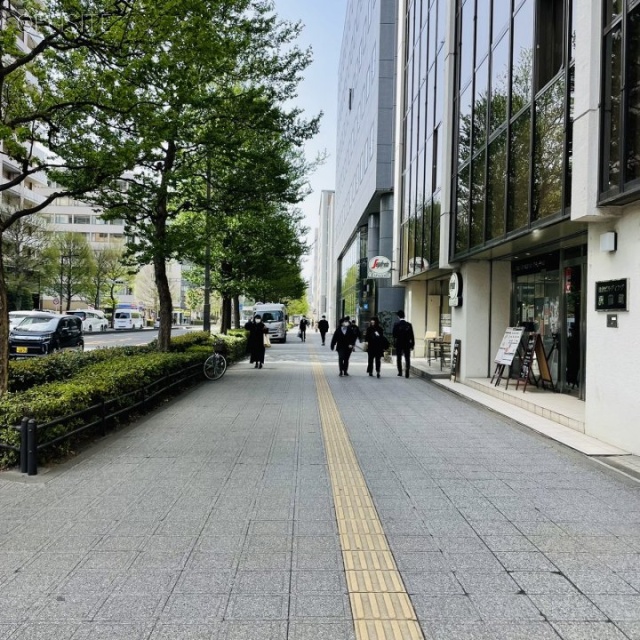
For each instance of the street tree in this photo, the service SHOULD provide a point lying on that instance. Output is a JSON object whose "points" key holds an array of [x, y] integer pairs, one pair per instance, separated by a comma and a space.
{"points": [[196, 96], [28, 260], [76, 269], [111, 271], [61, 69]]}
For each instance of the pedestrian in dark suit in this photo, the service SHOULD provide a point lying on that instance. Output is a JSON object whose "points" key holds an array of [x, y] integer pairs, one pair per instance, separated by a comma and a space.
{"points": [[343, 341], [376, 343], [255, 342], [404, 342], [323, 327]]}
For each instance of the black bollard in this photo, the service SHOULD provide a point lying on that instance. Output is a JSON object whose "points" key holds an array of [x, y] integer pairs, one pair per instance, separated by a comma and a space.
{"points": [[32, 435], [23, 445]]}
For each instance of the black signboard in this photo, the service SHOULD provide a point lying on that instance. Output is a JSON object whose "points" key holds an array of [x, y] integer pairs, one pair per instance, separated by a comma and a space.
{"points": [[612, 295], [455, 358]]}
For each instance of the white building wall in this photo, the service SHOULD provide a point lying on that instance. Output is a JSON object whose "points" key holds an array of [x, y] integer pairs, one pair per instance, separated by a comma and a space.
{"points": [[612, 403]]}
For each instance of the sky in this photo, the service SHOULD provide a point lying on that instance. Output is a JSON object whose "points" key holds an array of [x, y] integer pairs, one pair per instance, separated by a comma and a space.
{"points": [[323, 22]]}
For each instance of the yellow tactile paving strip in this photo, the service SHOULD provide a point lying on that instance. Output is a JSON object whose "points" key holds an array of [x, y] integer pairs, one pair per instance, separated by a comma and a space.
{"points": [[380, 605]]}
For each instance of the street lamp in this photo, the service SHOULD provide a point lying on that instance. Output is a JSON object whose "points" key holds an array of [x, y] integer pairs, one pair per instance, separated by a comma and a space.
{"points": [[206, 321]]}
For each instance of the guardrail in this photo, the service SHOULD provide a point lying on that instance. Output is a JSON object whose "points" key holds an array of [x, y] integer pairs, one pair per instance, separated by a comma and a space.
{"points": [[97, 416]]}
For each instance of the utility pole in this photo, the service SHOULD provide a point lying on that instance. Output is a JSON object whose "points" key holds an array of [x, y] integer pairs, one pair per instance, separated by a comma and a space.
{"points": [[206, 321]]}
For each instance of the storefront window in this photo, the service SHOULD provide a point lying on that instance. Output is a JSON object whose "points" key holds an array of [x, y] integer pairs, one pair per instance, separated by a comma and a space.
{"points": [[497, 186], [520, 158], [549, 152], [620, 142]]}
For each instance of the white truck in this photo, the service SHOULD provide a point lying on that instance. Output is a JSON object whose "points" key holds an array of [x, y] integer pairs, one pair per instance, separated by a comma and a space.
{"points": [[274, 315]]}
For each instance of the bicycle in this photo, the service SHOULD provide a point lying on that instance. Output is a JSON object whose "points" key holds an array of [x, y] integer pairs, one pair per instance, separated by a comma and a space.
{"points": [[215, 366]]}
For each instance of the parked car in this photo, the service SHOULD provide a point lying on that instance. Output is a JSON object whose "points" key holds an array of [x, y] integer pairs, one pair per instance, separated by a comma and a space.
{"points": [[16, 317], [92, 320], [41, 334]]}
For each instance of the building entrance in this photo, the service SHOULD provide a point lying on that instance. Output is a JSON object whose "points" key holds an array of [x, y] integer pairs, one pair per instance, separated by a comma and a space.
{"points": [[547, 299]]}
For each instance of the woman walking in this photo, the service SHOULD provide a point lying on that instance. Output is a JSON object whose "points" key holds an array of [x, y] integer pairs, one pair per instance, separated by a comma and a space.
{"points": [[376, 345], [255, 343]]}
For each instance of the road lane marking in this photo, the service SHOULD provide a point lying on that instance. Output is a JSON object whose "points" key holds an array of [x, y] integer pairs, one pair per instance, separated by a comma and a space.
{"points": [[380, 605]]}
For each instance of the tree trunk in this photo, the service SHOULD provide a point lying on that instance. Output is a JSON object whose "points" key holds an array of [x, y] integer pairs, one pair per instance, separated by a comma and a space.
{"points": [[4, 328], [236, 312], [166, 306], [225, 321]]}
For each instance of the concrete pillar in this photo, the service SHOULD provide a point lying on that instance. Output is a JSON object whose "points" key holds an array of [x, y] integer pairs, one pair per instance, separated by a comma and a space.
{"points": [[414, 308], [500, 306], [470, 323], [389, 298], [373, 236]]}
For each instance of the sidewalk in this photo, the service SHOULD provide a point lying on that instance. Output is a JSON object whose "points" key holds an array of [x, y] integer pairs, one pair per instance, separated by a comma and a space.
{"points": [[554, 415], [279, 504]]}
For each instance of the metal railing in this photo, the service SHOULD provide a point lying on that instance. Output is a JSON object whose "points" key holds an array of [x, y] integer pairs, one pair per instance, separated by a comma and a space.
{"points": [[97, 416]]}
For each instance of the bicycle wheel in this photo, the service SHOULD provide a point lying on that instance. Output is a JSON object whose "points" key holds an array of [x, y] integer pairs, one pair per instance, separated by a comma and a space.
{"points": [[215, 366]]}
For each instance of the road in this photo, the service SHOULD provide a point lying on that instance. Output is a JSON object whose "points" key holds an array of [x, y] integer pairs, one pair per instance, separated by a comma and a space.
{"points": [[124, 338]]}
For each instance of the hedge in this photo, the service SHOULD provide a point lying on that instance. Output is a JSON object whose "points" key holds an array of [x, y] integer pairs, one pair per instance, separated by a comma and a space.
{"points": [[62, 384]]}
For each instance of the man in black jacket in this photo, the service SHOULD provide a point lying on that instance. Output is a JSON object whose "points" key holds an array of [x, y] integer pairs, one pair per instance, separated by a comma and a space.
{"points": [[344, 340], [323, 327], [404, 342]]}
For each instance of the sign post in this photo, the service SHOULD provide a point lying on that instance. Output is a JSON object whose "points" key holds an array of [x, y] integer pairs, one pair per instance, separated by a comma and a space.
{"points": [[506, 353]]}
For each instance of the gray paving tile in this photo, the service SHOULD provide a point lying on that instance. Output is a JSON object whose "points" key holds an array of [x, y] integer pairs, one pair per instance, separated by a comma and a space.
{"points": [[146, 582], [107, 631], [588, 631], [257, 607], [190, 608], [67, 608], [524, 561], [454, 608], [321, 631], [516, 607], [476, 583], [318, 605], [619, 607], [544, 583], [258, 630], [129, 607], [261, 582], [572, 608], [45, 631], [487, 631], [171, 631]]}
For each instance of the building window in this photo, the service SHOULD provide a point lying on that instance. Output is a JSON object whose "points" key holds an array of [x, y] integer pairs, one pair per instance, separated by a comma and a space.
{"points": [[620, 111]]}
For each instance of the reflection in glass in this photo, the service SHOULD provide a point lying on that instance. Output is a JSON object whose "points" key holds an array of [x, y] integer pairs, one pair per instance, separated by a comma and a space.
{"points": [[496, 186], [435, 229], [632, 134], [477, 200], [501, 13], [466, 43], [612, 10], [464, 136], [480, 107], [404, 264], [462, 211], [611, 110], [548, 152], [482, 33], [569, 138], [522, 57], [519, 153], [419, 249], [499, 83], [439, 96], [427, 235]]}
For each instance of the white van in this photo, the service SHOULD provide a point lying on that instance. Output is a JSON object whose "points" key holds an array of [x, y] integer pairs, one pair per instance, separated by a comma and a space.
{"points": [[274, 315], [127, 319], [92, 319]]}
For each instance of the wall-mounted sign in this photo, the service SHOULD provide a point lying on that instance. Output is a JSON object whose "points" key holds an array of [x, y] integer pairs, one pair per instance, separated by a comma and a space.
{"points": [[612, 295], [455, 290], [418, 264], [379, 267]]}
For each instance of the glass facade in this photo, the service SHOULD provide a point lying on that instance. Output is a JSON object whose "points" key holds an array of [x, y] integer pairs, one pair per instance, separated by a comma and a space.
{"points": [[424, 23], [356, 297], [514, 98], [620, 111]]}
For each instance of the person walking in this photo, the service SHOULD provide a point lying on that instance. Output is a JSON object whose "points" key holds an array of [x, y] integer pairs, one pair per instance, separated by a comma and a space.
{"points": [[356, 330], [376, 343], [255, 342], [302, 329], [343, 341], [323, 327], [404, 342]]}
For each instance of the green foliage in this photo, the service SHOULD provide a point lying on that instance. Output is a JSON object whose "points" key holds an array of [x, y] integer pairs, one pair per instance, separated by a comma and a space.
{"points": [[63, 384]]}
